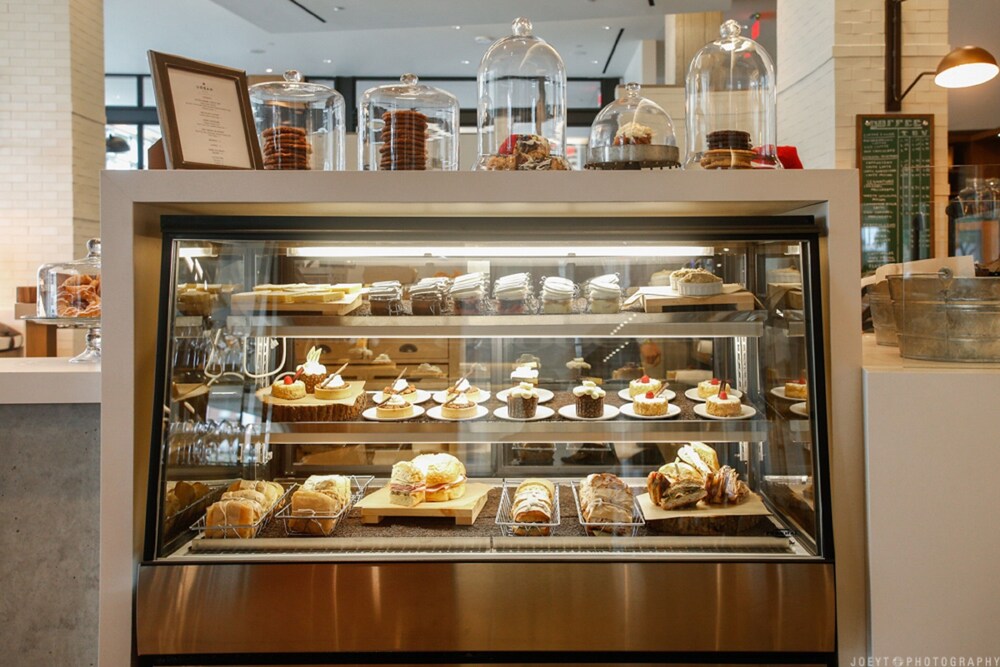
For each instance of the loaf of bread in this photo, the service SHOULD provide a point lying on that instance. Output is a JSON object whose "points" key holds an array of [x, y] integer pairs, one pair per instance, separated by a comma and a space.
{"points": [[241, 509], [533, 502], [318, 504], [605, 499]]}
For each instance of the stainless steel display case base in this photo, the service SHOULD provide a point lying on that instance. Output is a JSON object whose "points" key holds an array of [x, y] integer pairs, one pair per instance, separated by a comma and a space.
{"points": [[484, 607]]}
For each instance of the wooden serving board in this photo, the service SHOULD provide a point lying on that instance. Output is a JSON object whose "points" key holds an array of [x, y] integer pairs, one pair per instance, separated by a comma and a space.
{"points": [[248, 303], [752, 506], [357, 386], [465, 510], [662, 299]]}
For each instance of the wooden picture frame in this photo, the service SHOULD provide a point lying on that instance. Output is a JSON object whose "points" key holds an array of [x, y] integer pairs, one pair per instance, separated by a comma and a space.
{"points": [[205, 114]]}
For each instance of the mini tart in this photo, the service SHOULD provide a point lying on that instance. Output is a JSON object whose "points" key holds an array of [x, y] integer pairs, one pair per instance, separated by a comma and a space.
{"points": [[459, 409], [642, 385], [289, 392], [723, 407], [409, 392], [394, 408], [328, 391], [796, 390], [708, 388], [650, 405]]}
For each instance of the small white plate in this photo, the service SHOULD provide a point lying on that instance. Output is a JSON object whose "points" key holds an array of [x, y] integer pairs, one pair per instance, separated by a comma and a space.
{"points": [[442, 396], [544, 395], [569, 412], [666, 393], [541, 412], [702, 411], [692, 393], [780, 393], [800, 409], [420, 397], [629, 411], [372, 415], [435, 413]]}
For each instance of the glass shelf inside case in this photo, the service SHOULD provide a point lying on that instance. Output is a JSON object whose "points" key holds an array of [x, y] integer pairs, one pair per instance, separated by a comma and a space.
{"points": [[488, 406]]}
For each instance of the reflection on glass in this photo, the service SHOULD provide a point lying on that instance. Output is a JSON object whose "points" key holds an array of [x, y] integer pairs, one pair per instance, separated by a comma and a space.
{"points": [[122, 147]]}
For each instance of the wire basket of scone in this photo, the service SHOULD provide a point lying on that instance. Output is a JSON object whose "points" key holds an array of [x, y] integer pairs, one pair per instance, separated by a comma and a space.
{"points": [[243, 510], [528, 507], [320, 503], [606, 505], [185, 500]]}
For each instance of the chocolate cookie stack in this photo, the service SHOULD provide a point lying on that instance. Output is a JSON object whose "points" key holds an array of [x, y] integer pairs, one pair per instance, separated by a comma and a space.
{"points": [[404, 141], [728, 149], [285, 148]]}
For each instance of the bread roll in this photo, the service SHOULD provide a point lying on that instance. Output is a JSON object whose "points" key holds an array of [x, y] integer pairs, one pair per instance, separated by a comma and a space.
{"points": [[313, 513], [184, 493], [235, 517], [439, 468], [445, 492]]}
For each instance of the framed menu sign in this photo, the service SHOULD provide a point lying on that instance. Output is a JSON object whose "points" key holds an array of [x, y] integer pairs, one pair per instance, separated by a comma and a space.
{"points": [[895, 158], [205, 114]]}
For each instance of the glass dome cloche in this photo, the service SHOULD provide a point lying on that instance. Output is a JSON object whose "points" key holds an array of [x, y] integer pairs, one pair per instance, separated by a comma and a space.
{"points": [[730, 95], [407, 126], [522, 104], [632, 132], [300, 125]]}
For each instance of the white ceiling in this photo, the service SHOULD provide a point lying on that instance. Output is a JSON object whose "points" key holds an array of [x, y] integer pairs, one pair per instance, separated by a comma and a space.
{"points": [[378, 37]]}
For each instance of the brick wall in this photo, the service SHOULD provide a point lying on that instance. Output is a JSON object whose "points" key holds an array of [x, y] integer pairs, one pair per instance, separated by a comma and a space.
{"points": [[839, 72], [51, 134]]}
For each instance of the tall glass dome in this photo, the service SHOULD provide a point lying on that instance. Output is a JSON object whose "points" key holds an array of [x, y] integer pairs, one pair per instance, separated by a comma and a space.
{"points": [[522, 104], [730, 94], [632, 132]]}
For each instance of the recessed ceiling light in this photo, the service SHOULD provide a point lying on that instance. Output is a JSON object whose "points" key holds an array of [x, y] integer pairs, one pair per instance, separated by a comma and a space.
{"points": [[596, 62], [269, 70], [483, 39], [338, 9], [607, 27], [466, 62], [327, 60], [456, 27]]}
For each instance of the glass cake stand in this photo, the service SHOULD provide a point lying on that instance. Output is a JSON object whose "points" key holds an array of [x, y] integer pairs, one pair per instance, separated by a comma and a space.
{"points": [[92, 352]]}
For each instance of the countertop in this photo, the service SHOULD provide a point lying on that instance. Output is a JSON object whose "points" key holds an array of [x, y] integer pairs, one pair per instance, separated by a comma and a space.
{"points": [[35, 380], [884, 358]]}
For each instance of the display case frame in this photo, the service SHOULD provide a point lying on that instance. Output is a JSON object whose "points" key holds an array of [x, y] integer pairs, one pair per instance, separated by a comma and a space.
{"points": [[137, 214]]}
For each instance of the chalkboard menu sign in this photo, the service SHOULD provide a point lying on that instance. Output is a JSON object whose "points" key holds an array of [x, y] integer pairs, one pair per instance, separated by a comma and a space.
{"points": [[895, 156]]}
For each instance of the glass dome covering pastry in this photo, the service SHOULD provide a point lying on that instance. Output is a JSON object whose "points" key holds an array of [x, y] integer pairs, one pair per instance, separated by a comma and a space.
{"points": [[69, 296], [632, 132], [730, 95], [300, 125], [522, 104], [407, 126]]}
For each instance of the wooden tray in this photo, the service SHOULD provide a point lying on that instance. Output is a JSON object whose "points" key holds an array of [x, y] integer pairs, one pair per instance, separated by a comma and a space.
{"points": [[248, 303], [376, 506], [752, 506], [357, 386], [662, 299]]}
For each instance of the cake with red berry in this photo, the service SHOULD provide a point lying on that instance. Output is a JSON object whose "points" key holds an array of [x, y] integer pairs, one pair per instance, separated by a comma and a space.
{"points": [[708, 388], [797, 389], [723, 405], [644, 384], [650, 404]]}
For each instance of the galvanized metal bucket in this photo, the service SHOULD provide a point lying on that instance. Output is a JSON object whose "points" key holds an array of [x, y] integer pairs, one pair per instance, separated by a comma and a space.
{"points": [[883, 316], [943, 318]]}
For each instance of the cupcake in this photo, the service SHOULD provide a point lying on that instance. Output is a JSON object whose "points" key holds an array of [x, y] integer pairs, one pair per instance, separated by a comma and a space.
{"points": [[578, 367], [642, 385], [557, 295], [589, 400], [708, 388], [467, 294], [650, 405], [312, 372], [513, 294], [522, 401], [386, 298]]}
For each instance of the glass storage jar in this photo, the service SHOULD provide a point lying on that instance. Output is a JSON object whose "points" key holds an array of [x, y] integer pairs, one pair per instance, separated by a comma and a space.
{"points": [[632, 132], [730, 96], [72, 289], [521, 112], [408, 126], [300, 125], [604, 294]]}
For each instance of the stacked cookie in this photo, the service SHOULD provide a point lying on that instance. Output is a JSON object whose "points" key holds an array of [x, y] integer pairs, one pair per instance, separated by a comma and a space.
{"points": [[404, 141], [285, 147], [728, 149]]}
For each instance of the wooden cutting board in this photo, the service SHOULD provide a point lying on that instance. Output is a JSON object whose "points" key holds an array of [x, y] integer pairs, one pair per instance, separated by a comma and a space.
{"points": [[264, 395], [664, 299], [249, 303], [376, 506], [749, 507]]}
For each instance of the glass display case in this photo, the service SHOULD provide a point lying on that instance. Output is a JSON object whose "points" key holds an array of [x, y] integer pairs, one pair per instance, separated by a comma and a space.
{"points": [[731, 95], [633, 132], [522, 104], [297, 428], [407, 126], [300, 125]]}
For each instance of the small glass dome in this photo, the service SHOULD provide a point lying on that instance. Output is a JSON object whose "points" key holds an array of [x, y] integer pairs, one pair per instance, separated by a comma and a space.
{"points": [[300, 125], [632, 132], [522, 104], [730, 92], [407, 126]]}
